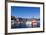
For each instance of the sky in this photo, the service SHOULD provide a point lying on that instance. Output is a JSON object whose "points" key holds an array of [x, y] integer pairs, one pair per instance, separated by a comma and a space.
{"points": [[25, 12]]}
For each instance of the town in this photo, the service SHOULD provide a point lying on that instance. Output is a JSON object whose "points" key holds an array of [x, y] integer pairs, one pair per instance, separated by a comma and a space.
{"points": [[18, 22]]}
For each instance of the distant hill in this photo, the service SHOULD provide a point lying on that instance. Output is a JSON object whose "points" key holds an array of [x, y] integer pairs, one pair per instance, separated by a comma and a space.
{"points": [[14, 18]]}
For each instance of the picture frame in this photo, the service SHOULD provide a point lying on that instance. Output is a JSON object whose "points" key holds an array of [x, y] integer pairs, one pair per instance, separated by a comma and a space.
{"points": [[39, 6]]}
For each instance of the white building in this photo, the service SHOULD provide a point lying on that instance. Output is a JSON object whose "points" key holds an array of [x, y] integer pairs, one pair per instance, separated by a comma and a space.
{"points": [[29, 24]]}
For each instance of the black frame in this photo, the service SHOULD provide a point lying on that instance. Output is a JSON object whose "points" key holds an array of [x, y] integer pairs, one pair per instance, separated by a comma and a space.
{"points": [[6, 33]]}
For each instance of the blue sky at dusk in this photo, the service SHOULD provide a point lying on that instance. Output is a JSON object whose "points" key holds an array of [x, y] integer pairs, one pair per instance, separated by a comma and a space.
{"points": [[25, 12]]}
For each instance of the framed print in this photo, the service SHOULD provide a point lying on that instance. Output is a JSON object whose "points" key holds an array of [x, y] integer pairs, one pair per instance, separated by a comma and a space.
{"points": [[24, 17]]}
